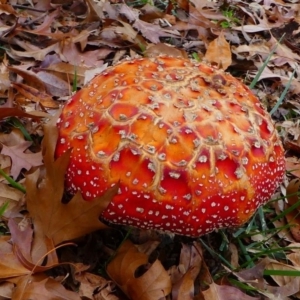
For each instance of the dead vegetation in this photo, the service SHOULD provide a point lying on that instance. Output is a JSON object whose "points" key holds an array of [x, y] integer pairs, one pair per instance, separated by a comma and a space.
{"points": [[54, 249]]}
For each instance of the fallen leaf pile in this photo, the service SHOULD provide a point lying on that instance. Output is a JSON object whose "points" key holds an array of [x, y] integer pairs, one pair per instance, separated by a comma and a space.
{"points": [[54, 247]]}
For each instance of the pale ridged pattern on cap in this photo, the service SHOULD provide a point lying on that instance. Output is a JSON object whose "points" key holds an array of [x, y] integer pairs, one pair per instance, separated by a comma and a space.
{"points": [[191, 146]]}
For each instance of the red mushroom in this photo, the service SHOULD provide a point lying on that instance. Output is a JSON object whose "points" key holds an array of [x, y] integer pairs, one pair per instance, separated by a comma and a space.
{"points": [[191, 146]]}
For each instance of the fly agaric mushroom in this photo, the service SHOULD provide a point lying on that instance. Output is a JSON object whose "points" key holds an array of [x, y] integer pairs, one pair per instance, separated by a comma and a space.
{"points": [[190, 146]]}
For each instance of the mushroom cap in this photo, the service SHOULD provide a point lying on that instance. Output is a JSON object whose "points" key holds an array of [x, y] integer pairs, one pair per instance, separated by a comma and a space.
{"points": [[190, 146]]}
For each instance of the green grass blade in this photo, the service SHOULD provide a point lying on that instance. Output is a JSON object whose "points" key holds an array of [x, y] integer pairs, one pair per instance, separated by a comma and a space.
{"points": [[3, 208], [213, 253], [74, 89], [256, 78], [18, 124], [282, 273], [283, 94], [13, 183], [244, 251]]}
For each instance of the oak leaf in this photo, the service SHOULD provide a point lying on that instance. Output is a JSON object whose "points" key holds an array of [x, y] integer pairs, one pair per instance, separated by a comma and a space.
{"points": [[52, 220], [41, 286], [20, 158]]}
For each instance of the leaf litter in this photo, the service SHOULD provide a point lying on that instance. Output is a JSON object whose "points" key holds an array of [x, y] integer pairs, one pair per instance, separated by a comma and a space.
{"points": [[53, 247]]}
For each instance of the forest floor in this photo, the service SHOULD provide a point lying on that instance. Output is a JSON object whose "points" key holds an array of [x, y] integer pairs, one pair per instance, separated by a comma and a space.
{"points": [[50, 249]]}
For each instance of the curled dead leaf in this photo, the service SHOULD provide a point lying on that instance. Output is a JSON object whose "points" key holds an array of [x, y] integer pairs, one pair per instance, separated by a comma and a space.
{"points": [[184, 288], [154, 284], [92, 285], [293, 165], [35, 95], [293, 217], [6, 112], [164, 49], [218, 52], [184, 275]]}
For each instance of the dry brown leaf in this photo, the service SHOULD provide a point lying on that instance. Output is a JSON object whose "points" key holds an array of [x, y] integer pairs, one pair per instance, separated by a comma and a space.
{"points": [[35, 95], [21, 157], [183, 4], [46, 36], [255, 277], [218, 52], [281, 280], [164, 49], [283, 54], [154, 284], [41, 286], [293, 217], [293, 166], [6, 289], [7, 9], [205, 276], [38, 54], [4, 76], [196, 16], [55, 86], [225, 292], [150, 31], [259, 16], [13, 138], [71, 54], [53, 220], [234, 257], [291, 131], [287, 285], [89, 283], [66, 71], [196, 20], [149, 246], [255, 273], [95, 11], [262, 48], [21, 237], [190, 259], [45, 27], [292, 145], [29, 77], [10, 266], [6, 112], [11, 196], [184, 275], [5, 165], [21, 234], [123, 266], [184, 288], [125, 32], [153, 32], [294, 257], [14, 146]]}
